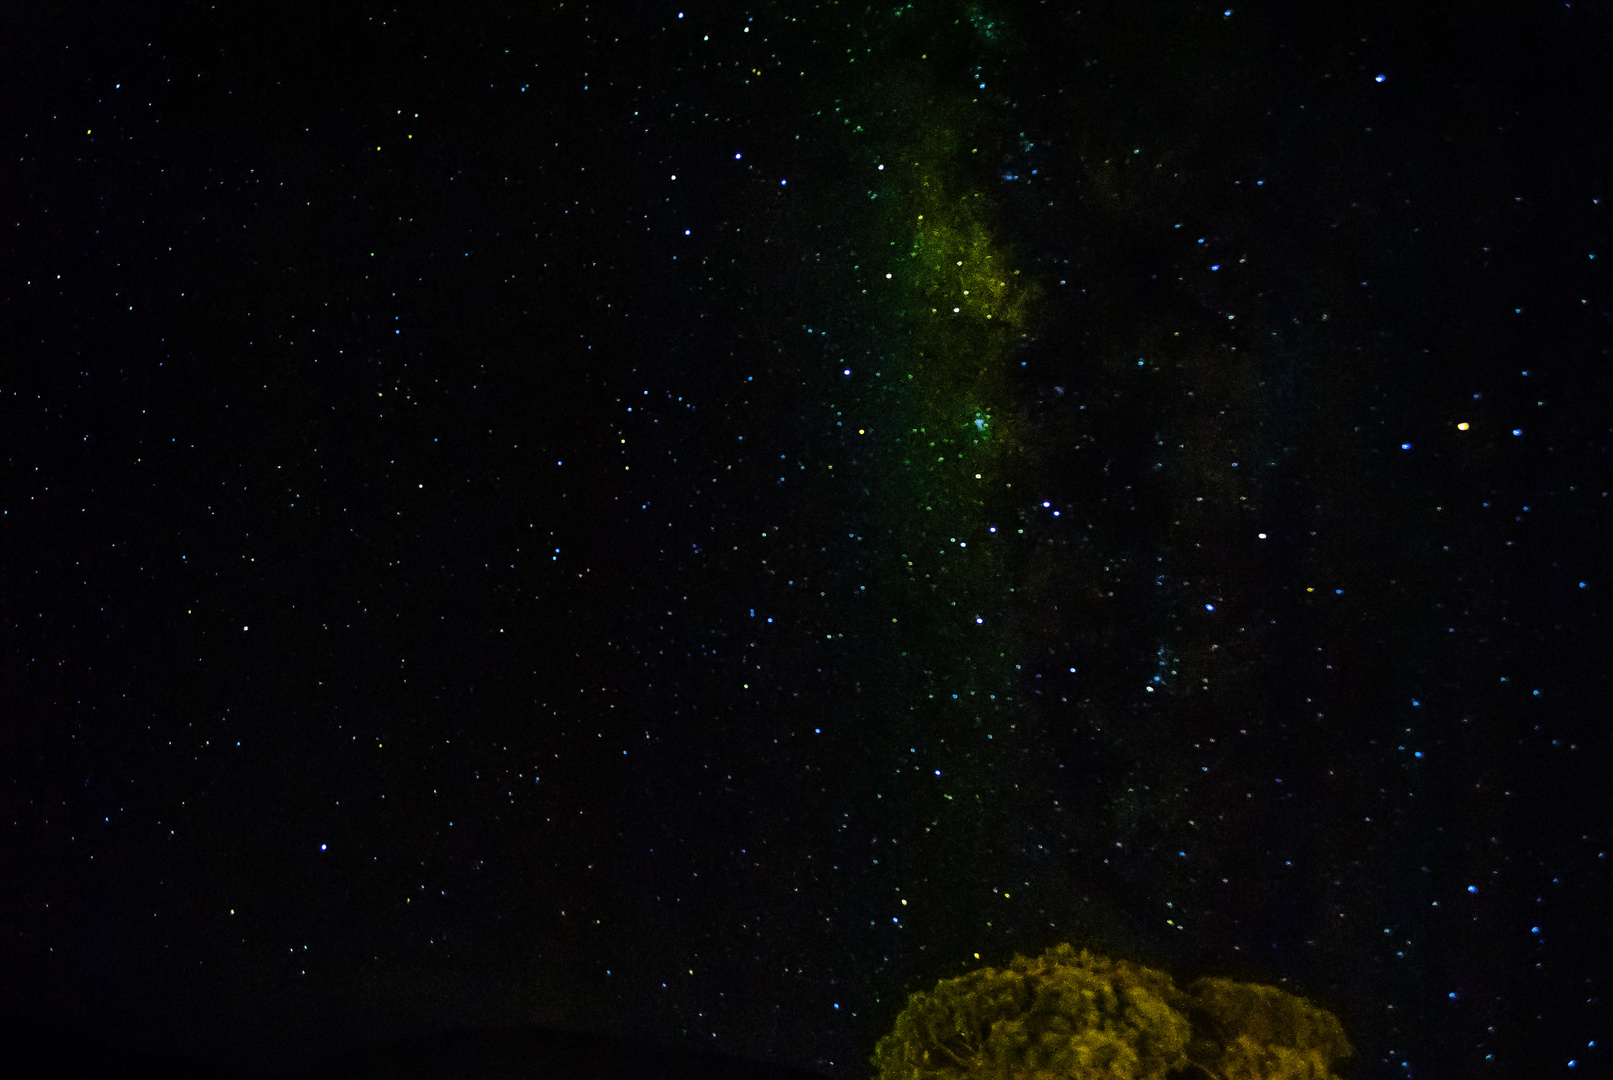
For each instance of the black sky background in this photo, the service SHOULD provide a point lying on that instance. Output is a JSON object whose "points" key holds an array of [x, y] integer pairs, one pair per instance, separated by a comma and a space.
{"points": [[369, 667]]}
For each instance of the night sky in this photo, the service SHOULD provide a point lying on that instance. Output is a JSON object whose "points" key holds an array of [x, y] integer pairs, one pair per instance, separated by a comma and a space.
{"points": [[690, 525]]}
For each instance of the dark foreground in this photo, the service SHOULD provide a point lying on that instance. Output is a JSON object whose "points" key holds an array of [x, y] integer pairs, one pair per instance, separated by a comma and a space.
{"points": [[32, 1050]]}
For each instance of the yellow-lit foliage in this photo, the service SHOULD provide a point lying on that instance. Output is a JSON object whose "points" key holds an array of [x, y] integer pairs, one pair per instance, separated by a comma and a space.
{"points": [[1263, 1033], [1072, 1015]]}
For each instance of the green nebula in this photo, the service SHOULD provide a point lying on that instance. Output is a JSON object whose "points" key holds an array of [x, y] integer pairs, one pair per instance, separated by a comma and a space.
{"points": [[956, 454], [946, 462], [947, 452]]}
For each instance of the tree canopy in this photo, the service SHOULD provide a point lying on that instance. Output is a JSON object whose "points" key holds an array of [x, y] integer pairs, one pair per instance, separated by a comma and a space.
{"points": [[1073, 1015]]}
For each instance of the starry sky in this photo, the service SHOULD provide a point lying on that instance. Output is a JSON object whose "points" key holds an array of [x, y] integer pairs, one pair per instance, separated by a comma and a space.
{"points": [[692, 523]]}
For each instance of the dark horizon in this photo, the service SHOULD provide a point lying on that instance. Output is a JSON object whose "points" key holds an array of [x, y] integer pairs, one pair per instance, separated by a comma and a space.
{"points": [[44, 1049]]}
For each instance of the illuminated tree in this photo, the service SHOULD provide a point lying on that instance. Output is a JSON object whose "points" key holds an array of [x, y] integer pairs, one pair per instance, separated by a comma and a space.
{"points": [[1070, 1015], [1256, 1032]]}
